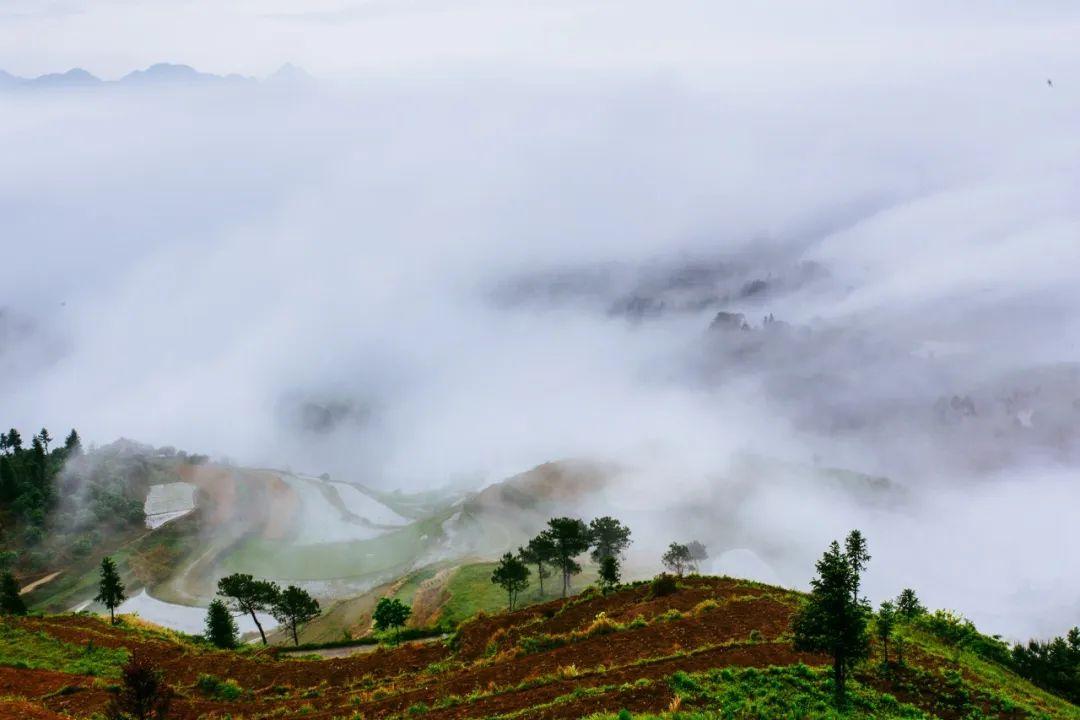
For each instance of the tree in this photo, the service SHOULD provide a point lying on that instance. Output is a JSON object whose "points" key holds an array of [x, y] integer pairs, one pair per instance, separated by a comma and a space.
{"points": [[293, 607], [46, 438], [9, 483], [885, 624], [11, 603], [540, 552], [908, 606], [512, 575], [72, 443], [14, 441], [609, 538], [110, 588], [858, 556], [570, 538], [143, 693], [391, 613], [831, 620], [677, 558], [221, 628], [609, 572], [698, 554], [248, 596]]}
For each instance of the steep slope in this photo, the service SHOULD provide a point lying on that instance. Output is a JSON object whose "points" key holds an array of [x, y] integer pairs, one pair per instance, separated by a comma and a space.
{"points": [[716, 646]]}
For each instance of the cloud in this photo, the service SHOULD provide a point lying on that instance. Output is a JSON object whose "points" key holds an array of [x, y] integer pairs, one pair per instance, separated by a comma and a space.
{"points": [[443, 276]]}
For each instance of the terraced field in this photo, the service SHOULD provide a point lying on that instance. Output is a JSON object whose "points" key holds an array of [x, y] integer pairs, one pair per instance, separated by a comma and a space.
{"points": [[716, 645]]}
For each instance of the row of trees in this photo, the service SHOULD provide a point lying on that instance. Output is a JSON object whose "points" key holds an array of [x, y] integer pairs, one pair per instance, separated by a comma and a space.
{"points": [[564, 539], [557, 548], [246, 595]]}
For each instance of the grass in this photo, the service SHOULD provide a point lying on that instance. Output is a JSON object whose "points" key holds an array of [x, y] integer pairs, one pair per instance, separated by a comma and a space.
{"points": [[795, 691], [993, 680], [471, 591], [355, 559], [36, 650]]}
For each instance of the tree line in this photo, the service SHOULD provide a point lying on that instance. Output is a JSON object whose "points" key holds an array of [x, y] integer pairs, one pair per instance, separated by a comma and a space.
{"points": [[556, 549], [28, 472]]}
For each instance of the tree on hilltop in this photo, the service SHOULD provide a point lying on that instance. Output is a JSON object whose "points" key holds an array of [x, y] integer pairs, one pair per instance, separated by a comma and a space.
{"points": [[832, 619], [609, 537], [610, 573], [540, 551], [677, 558], [908, 606], [72, 443], [571, 538], [511, 575], [885, 624]]}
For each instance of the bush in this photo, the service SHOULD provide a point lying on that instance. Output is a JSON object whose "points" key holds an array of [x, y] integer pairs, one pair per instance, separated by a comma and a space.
{"points": [[706, 606], [603, 625], [663, 585], [215, 687], [143, 693]]}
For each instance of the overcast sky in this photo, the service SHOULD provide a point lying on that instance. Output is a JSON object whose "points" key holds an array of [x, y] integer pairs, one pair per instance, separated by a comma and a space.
{"points": [[319, 278], [349, 37]]}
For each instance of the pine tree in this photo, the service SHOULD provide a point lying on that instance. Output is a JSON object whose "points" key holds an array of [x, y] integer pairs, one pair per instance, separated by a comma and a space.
{"points": [[570, 538], [609, 537], [73, 444], [14, 440], [609, 573], [11, 603], [885, 623], [110, 588], [221, 628], [511, 575], [832, 620], [858, 556], [45, 438], [293, 607], [249, 596], [908, 606], [540, 552]]}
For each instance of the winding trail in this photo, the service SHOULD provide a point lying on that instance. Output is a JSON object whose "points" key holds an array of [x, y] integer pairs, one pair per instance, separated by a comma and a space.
{"points": [[39, 582]]}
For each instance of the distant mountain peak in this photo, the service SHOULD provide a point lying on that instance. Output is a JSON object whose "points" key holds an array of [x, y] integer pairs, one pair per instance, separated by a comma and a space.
{"points": [[162, 73], [290, 74]]}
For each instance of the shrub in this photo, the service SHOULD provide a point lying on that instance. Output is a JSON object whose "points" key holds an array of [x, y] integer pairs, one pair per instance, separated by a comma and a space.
{"points": [[663, 585], [603, 625], [670, 615], [215, 687], [143, 694], [706, 606], [639, 621]]}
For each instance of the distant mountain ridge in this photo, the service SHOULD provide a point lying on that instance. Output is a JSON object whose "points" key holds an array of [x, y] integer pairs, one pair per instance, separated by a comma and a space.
{"points": [[159, 74]]}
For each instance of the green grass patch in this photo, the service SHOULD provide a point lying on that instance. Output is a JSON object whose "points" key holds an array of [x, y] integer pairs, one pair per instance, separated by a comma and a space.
{"points": [[37, 650]]}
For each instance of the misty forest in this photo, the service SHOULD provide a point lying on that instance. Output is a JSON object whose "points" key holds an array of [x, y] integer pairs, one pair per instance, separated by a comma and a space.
{"points": [[367, 359]]}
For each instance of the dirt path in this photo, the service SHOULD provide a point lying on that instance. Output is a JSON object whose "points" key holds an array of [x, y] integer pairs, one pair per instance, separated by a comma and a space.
{"points": [[38, 583]]}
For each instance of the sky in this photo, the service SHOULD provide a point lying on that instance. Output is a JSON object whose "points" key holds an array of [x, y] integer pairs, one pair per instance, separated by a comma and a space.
{"points": [[416, 271]]}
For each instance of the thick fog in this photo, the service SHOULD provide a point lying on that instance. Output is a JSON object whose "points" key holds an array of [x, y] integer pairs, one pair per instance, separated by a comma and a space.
{"points": [[729, 251]]}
